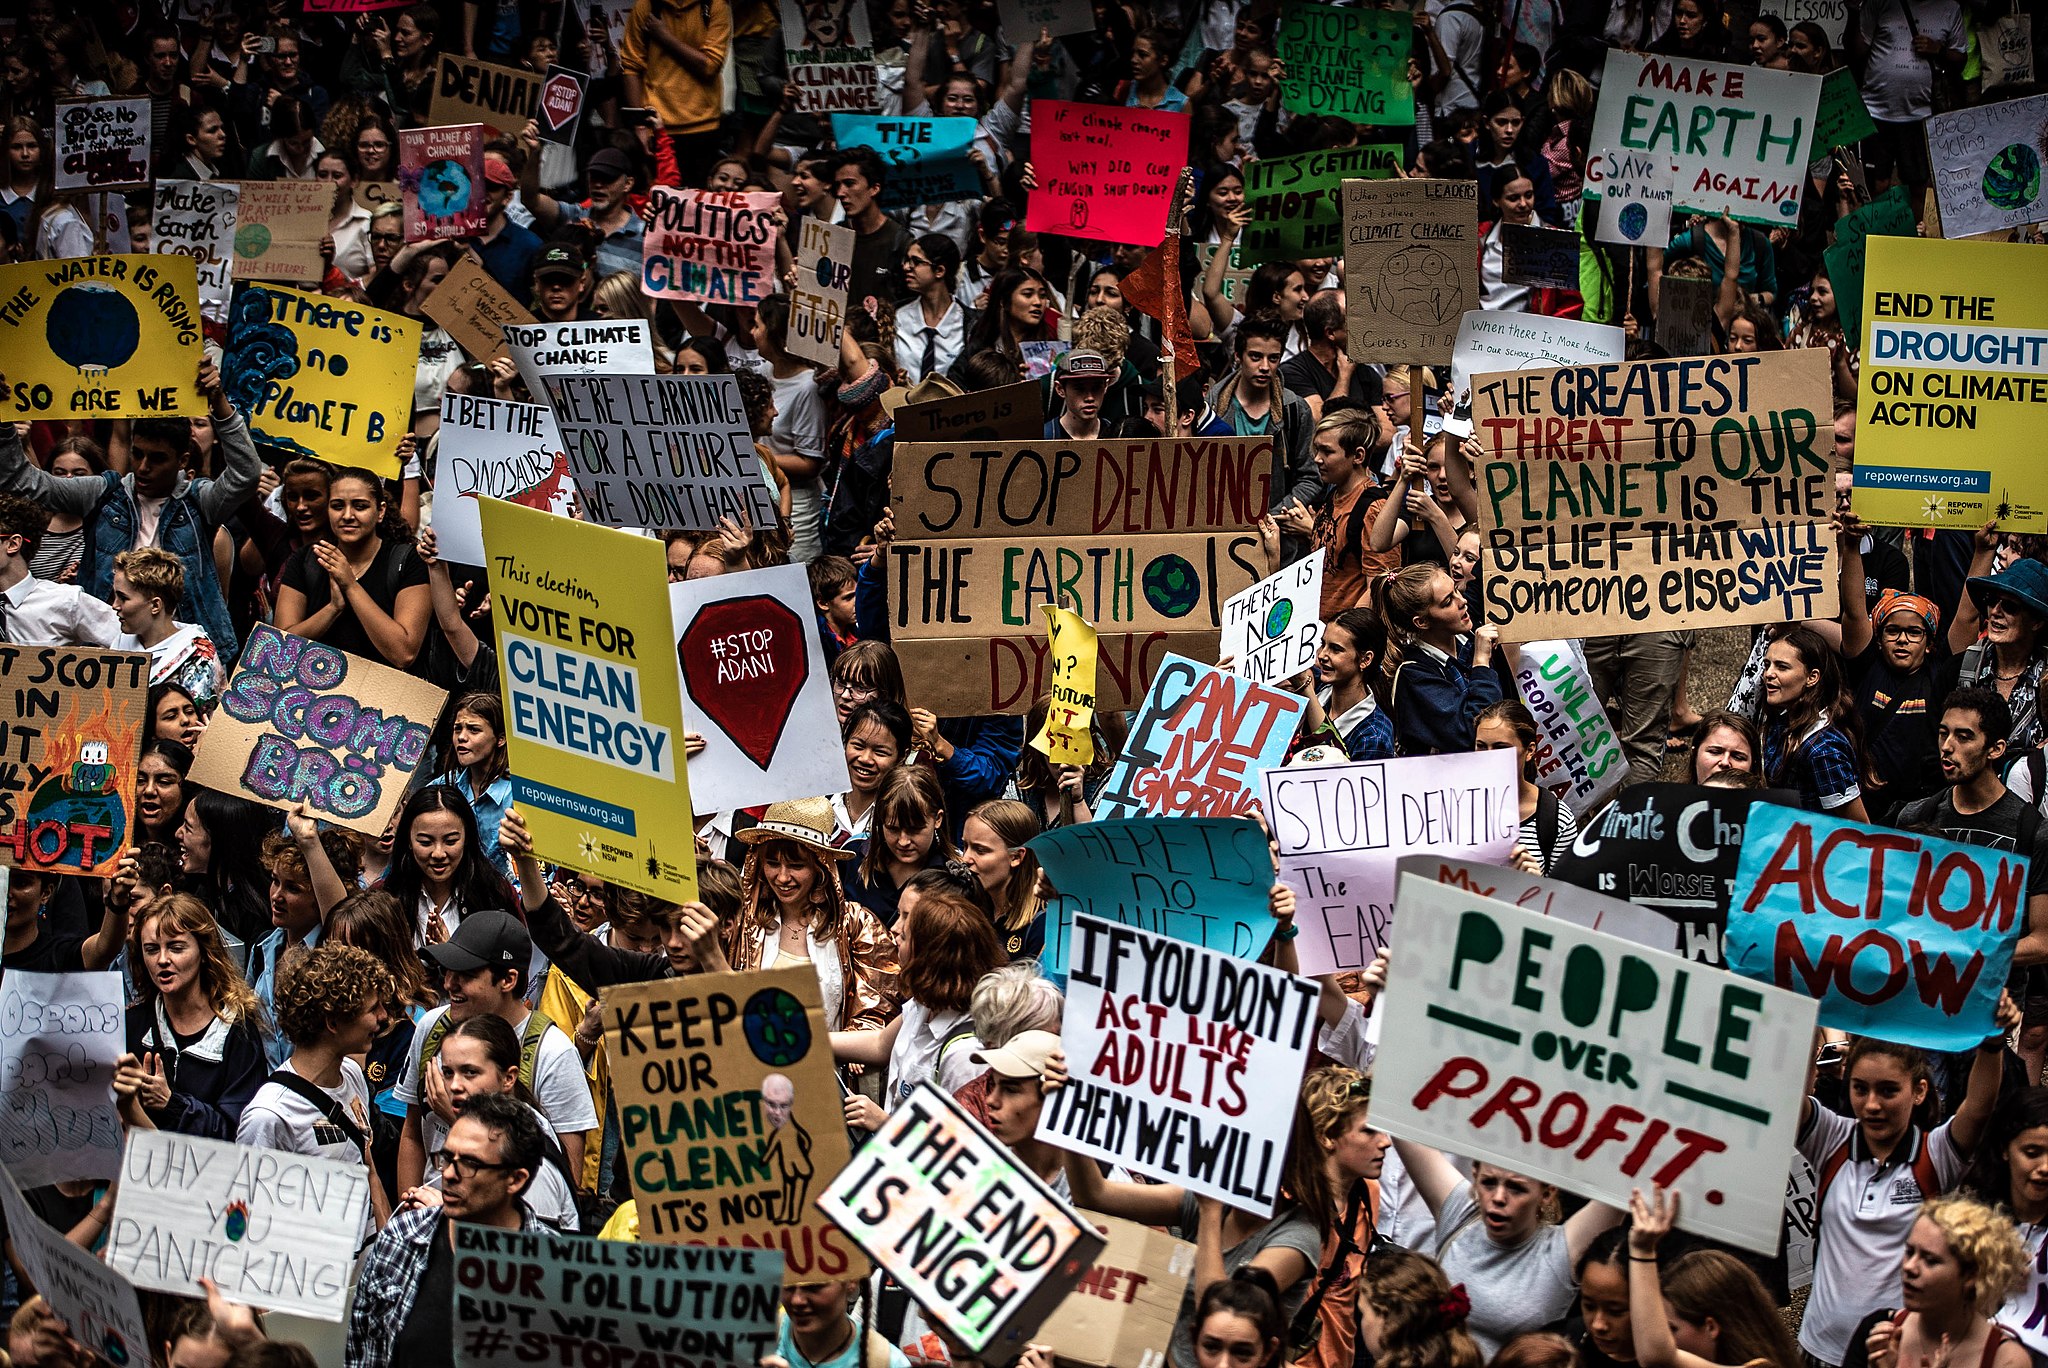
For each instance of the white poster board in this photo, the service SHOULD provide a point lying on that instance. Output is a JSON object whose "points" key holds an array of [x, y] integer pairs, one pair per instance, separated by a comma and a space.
{"points": [[1831, 15], [1987, 166], [494, 448], [102, 143], [95, 1302], [593, 348], [1271, 630], [1579, 758], [1544, 897], [59, 1037], [668, 451], [197, 219], [1635, 199], [1492, 340]]}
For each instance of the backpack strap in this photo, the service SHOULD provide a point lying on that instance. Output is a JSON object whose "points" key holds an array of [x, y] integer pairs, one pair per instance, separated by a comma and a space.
{"points": [[1822, 1180], [537, 1024], [430, 1044], [1548, 822], [329, 1108]]}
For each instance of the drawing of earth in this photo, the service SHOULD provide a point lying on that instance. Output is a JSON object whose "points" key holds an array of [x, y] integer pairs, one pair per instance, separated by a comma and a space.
{"points": [[1278, 618], [1172, 586], [445, 189], [93, 328], [2012, 178], [777, 1030], [1635, 218]]}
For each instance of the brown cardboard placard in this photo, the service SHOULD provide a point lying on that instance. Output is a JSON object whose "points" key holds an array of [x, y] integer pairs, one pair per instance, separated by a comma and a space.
{"points": [[469, 91], [817, 298], [474, 309], [1411, 267], [1010, 413], [74, 716], [1125, 1305], [278, 230]]}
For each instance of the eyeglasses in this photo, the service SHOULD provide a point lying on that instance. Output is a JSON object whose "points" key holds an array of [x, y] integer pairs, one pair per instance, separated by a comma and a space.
{"points": [[372, 144], [575, 890], [395, 239], [465, 1166], [857, 692], [1906, 633], [916, 261]]}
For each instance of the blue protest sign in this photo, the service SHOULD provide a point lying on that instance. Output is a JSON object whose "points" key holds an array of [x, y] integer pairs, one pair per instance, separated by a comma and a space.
{"points": [[926, 159], [1900, 936], [1199, 744]]}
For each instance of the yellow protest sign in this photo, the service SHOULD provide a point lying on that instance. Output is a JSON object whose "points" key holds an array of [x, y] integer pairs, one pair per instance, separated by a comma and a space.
{"points": [[100, 337], [593, 697], [1067, 737], [319, 376], [1954, 388]]}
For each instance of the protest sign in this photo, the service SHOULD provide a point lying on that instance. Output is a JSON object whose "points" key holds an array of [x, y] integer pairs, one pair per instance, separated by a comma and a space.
{"points": [[1544, 897], [1340, 828], [441, 172], [197, 219], [1582, 1060], [1144, 538], [1204, 880], [1802, 1223], [1104, 173], [1899, 935], [1831, 15], [300, 721], [1847, 258], [1952, 396], [95, 1303], [1296, 202], [1237, 276], [59, 1037], [1008, 413], [593, 711], [925, 160], [100, 337], [1987, 165], [1579, 756], [315, 375], [712, 246], [817, 301], [475, 309], [1411, 267], [609, 348], [1534, 254], [1271, 630], [278, 227], [73, 720], [1738, 135], [1503, 340], [1685, 316], [1040, 358], [1198, 745], [495, 449], [830, 57], [1026, 18], [276, 1230], [1124, 1307], [671, 451], [559, 109], [730, 1114], [468, 91], [1635, 199], [1605, 512], [754, 673], [102, 143], [373, 195], [1067, 735], [1842, 119], [1351, 63], [932, 1195], [1183, 1063], [1672, 848], [526, 1297]]}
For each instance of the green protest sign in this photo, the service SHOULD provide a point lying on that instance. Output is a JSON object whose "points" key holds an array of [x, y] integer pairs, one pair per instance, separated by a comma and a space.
{"points": [[1886, 216], [1842, 120], [1352, 63], [1297, 202]]}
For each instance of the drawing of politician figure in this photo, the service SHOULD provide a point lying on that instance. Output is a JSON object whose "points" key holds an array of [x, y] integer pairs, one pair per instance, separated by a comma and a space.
{"points": [[787, 1150]]}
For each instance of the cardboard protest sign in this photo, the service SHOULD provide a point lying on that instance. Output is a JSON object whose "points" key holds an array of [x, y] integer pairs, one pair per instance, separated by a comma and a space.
{"points": [[1025, 18], [275, 1230], [300, 721], [521, 1296], [197, 219], [442, 173], [475, 309], [1124, 1307], [1198, 745], [1685, 316], [374, 194], [1657, 495], [817, 301], [1351, 63], [1297, 201], [315, 375], [1340, 828], [592, 706], [1204, 880], [494, 449], [1589, 1062], [1104, 173], [1579, 757], [1411, 266], [1831, 15], [1847, 258], [925, 160], [1502, 340], [1008, 413], [1183, 1063], [100, 337], [754, 673], [1544, 897], [1951, 395], [730, 1114], [608, 348], [1635, 199], [1535, 254], [1761, 121], [712, 246], [101, 143], [1987, 165], [1237, 276], [95, 1303], [1271, 630], [1144, 538], [1842, 120], [934, 1194], [560, 108], [59, 1037], [1067, 735], [671, 451], [73, 720], [1898, 935], [468, 91], [278, 227], [830, 56]]}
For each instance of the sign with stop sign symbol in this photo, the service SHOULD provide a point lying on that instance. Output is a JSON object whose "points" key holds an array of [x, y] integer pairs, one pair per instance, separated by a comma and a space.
{"points": [[561, 105]]}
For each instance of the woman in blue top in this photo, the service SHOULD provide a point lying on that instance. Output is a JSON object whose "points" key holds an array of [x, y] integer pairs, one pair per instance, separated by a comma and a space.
{"points": [[478, 769], [1441, 671], [1347, 696], [1811, 735]]}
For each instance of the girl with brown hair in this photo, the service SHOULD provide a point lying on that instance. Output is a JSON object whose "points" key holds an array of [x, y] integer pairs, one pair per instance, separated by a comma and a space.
{"points": [[1410, 1315], [906, 836], [1438, 667], [992, 840], [195, 1033], [1706, 1308]]}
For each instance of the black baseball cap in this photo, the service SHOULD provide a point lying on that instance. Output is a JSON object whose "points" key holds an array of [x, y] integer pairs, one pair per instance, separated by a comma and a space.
{"points": [[607, 164], [484, 940], [558, 258]]}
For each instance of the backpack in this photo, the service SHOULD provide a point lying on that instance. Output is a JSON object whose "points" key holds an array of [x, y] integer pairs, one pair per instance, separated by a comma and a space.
{"points": [[537, 1024], [1923, 1173], [1548, 821]]}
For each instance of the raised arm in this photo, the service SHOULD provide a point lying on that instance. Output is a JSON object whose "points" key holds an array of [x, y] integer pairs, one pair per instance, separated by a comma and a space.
{"points": [[1987, 1071], [1855, 616], [1647, 1315], [328, 889], [1962, 633], [1436, 1178], [462, 638], [220, 497]]}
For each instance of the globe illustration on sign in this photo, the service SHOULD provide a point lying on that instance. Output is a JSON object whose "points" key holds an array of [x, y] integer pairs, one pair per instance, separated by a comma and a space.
{"points": [[444, 189], [1635, 219], [1278, 618], [778, 1030], [2012, 178], [1172, 586], [93, 328]]}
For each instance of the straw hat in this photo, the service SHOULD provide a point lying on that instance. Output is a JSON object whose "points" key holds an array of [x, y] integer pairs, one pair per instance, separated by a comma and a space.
{"points": [[807, 821]]}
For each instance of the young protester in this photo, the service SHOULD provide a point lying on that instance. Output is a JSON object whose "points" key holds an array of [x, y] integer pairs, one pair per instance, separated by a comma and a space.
{"points": [[2010, 609], [1438, 667], [1411, 1315], [1888, 657], [1811, 735], [311, 871], [1548, 826], [439, 868], [1337, 1100], [1962, 1259], [877, 738], [818, 1330], [993, 843], [38, 612], [365, 591], [161, 792], [1345, 446], [1724, 752], [195, 1032], [1704, 1308], [149, 586], [907, 835], [478, 768], [2011, 1174], [220, 849], [1238, 1322]]}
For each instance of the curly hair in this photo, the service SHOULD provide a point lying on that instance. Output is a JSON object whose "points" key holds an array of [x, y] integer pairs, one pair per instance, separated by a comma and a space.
{"points": [[1423, 1324], [226, 990], [283, 858], [1984, 1243], [325, 983], [1334, 1094]]}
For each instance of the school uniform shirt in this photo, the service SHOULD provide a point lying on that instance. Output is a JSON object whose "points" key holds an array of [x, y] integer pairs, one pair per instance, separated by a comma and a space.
{"points": [[1865, 1217], [1367, 728], [36, 612], [278, 1118], [1820, 763], [917, 340], [558, 1085], [2025, 1312]]}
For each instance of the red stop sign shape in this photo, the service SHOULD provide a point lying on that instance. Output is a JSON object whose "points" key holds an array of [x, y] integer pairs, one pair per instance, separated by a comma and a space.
{"points": [[744, 662], [560, 99]]}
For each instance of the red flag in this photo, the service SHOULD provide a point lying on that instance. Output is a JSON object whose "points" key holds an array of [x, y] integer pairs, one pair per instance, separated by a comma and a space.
{"points": [[1154, 289]]}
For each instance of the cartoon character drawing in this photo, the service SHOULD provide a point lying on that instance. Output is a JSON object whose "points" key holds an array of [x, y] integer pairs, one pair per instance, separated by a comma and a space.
{"points": [[787, 1148], [83, 795], [1419, 285]]}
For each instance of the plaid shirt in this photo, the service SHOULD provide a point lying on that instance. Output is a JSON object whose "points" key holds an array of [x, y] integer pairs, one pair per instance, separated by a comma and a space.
{"points": [[1821, 764], [390, 1279]]}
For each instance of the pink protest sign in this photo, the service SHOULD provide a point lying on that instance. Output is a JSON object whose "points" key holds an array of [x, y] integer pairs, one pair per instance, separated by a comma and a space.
{"points": [[713, 246], [442, 172], [1104, 173]]}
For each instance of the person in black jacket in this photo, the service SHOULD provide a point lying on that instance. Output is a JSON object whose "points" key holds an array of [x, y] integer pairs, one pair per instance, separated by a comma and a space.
{"points": [[195, 1033]]}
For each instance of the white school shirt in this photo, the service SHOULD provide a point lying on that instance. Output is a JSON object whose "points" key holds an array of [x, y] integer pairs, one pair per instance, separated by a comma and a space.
{"points": [[278, 1118], [2025, 1312]]}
